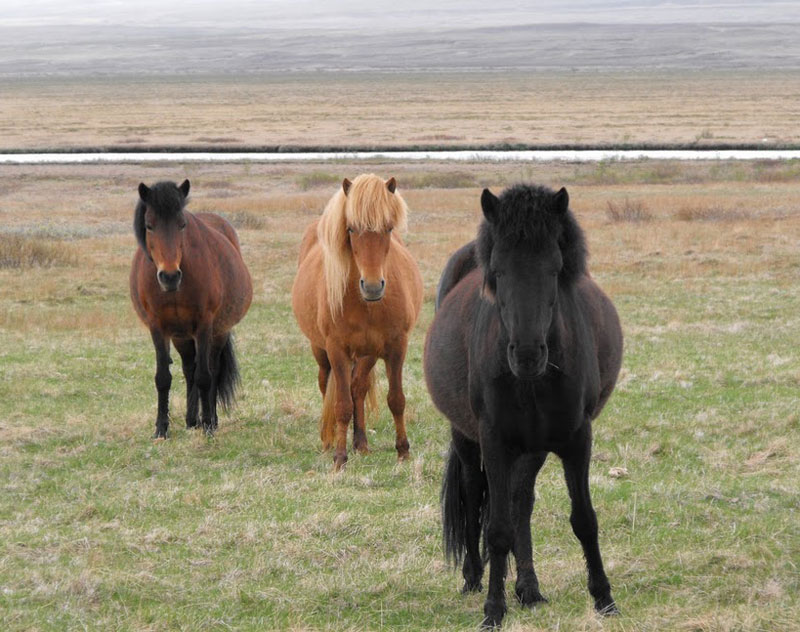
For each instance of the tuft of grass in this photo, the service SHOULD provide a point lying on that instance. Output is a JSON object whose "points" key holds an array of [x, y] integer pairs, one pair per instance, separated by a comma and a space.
{"points": [[710, 213], [246, 220], [19, 251], [628, 210]]}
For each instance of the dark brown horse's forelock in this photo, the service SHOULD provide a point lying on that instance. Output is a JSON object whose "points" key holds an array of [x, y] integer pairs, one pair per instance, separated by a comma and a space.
{"points": [[166, 200]]}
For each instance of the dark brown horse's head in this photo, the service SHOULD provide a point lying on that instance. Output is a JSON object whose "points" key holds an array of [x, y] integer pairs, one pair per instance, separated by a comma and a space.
{"points": [[370, 240], [529, 247], [159, 224]]}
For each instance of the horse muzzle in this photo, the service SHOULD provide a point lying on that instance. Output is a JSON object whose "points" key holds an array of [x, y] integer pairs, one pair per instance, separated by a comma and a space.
{"points": [[527, 363], [169, 281], [372, 292]]}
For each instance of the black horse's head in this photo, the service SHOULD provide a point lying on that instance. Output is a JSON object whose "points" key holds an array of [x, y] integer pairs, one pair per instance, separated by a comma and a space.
{"points": [[159, 224], [528, 246]]}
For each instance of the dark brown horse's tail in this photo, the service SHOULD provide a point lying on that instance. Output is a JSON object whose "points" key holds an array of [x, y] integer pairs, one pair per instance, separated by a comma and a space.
{"points": [[228, 377], [327, 422]]}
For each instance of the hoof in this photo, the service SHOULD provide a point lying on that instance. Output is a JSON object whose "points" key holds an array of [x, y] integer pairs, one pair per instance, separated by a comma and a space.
{"points": [[472, 587], [528, 594], [361, 448], [606, 607], [190, 425], [403, 456], [339, 462], [160, 435], [493, 613], [209, 429]]}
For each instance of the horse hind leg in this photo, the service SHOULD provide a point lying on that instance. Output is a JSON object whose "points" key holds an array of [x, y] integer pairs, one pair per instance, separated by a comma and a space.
{"points": [[523, 482], [362, 384], [163, 381], [188, 353], [321, 356], [206, 377], [397, 399]]}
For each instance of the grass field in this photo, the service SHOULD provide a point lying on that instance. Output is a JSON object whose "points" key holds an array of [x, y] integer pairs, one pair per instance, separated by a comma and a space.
{"points": [[440, 109], [696, 464]]}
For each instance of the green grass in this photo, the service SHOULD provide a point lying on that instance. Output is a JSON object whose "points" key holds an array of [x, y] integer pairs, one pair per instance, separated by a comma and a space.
{"points": [[101, 528]]}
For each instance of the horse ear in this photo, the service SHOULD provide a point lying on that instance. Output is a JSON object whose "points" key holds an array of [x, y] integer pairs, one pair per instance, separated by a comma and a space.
{"points": [[144, 192], [346, 184], [561, 200], [185, 188], [489, 205], [391, 184]]}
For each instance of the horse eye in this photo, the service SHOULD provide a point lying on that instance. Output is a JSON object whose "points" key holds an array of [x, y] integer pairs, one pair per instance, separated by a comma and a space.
{"points": [[350, 230], [389, 230], [148, 226], [498, 274], [182, 226]]}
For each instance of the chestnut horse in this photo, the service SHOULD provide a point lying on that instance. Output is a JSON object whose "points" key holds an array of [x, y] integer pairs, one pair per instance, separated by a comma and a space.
{"points": [[190, 286], [357, 294], [522, 355]]}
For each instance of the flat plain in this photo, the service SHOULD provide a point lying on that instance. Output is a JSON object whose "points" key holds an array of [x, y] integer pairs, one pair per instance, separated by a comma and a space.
{"points": [[696, 460], [340, 109]]}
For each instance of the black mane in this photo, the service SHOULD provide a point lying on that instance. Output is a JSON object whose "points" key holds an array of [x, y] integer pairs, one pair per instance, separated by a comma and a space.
{"points": [[165, 198], [531, 213]]}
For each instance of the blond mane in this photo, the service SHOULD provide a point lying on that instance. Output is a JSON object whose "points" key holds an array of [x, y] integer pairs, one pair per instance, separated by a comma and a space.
{"points": [[368, 205]]}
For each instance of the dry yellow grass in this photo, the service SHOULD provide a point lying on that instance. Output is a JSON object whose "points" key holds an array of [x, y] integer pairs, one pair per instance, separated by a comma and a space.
{"points": [[439, 109]]}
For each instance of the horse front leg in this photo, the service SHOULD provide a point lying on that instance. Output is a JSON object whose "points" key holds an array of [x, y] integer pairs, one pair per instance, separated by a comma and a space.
{"points": [[342, 367], [396, 398], [359, 388], [163, 382], [497, 463], [523, 497], [584, 520], [188, 353]]}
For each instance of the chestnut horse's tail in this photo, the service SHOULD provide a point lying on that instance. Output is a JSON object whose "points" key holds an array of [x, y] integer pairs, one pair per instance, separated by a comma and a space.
{"points": [[327, 422], [228, 377]]}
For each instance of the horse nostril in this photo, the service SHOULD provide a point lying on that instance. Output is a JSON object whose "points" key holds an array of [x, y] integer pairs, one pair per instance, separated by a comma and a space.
{"points": [[178, 275], [542, 348], [383, 283], [512, 347], [362, 284]]}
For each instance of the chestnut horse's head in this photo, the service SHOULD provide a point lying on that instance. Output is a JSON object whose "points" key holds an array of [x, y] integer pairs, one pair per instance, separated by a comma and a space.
{"points": [[159, 224], [357, 226]]}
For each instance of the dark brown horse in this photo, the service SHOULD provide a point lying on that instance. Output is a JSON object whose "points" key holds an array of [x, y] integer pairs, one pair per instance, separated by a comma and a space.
{"points": [[190, 286], [522, 355]]}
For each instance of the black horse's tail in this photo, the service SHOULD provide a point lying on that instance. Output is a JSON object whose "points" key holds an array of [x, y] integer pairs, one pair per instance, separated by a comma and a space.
{"points": [[228, 377], [454, 515]]}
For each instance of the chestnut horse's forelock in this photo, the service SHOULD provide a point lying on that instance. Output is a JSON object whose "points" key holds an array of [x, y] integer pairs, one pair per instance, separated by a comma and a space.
{"points": [[368, 205]]}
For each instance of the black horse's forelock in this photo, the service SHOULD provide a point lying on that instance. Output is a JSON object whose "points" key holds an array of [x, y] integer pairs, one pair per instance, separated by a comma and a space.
{"points": [[530, 213], [166, 200]]}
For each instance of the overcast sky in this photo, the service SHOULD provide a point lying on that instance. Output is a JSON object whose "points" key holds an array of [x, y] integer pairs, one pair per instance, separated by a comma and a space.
{"points": [[385, 14]]}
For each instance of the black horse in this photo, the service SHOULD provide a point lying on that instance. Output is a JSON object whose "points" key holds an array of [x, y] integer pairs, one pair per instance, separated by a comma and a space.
{"points": [[522, 355]]}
